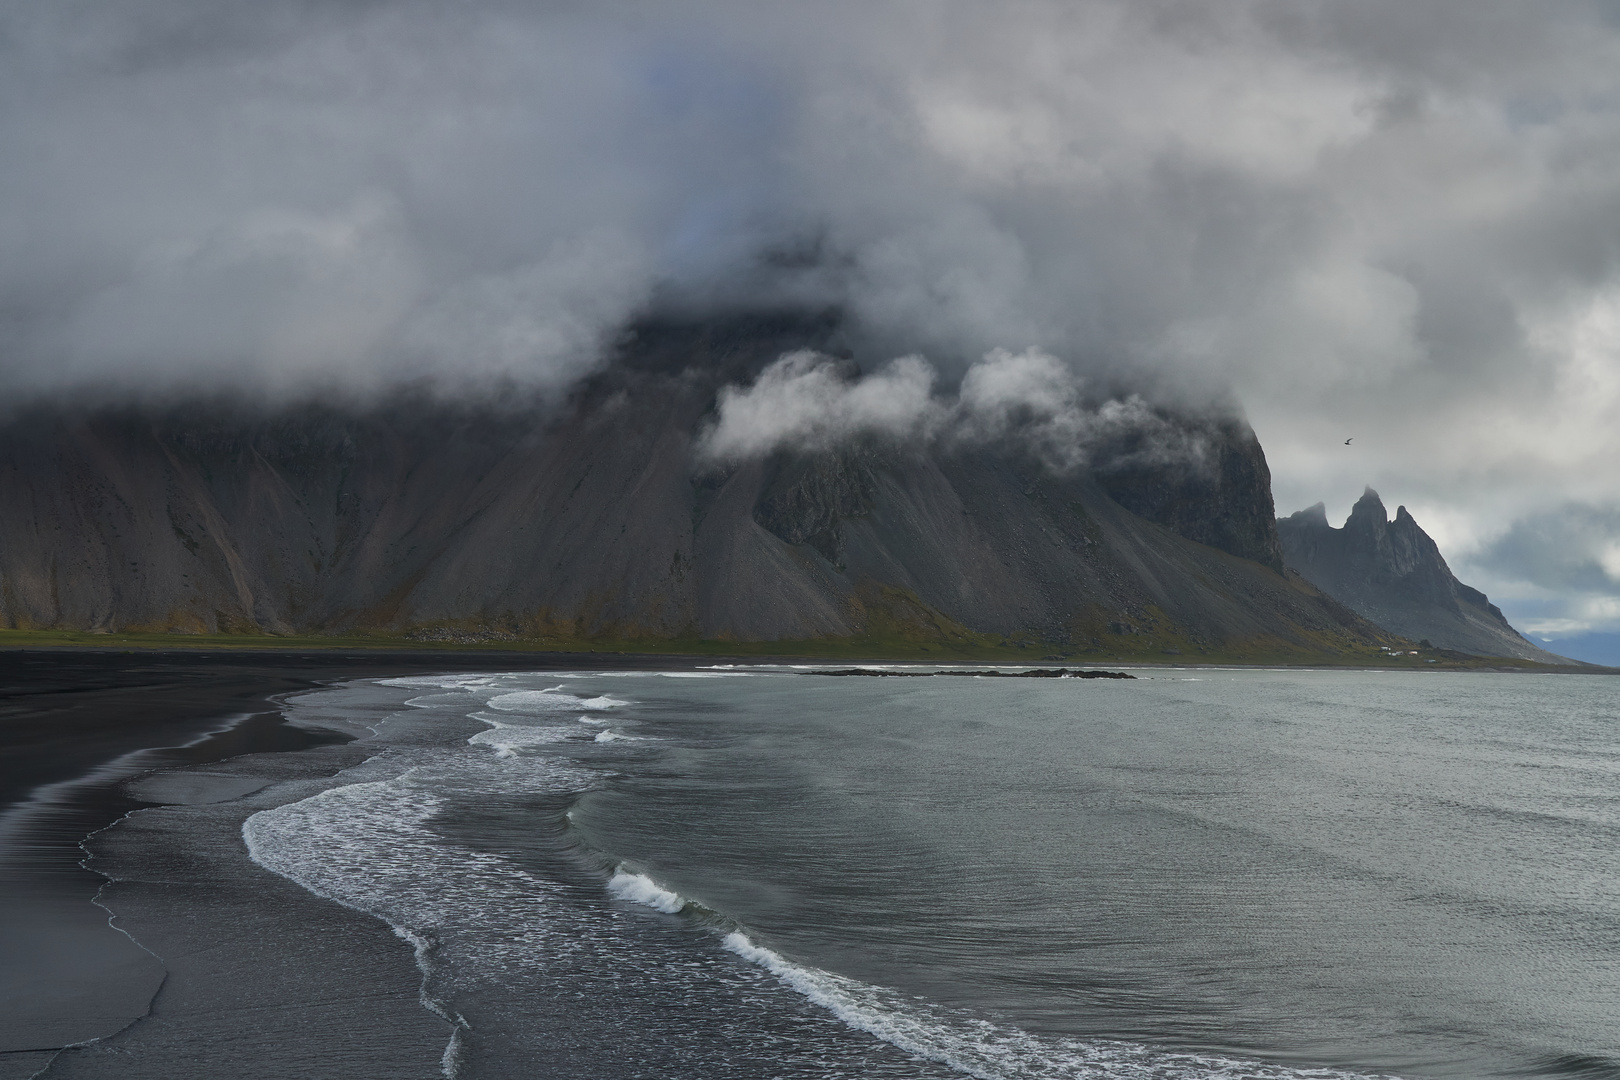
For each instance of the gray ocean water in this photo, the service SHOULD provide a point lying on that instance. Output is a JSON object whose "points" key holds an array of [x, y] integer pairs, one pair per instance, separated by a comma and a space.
{"points": [[767, 873]]}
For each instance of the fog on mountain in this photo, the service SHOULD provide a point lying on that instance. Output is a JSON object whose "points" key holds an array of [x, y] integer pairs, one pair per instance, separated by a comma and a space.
{"points": [[1388, 219]]}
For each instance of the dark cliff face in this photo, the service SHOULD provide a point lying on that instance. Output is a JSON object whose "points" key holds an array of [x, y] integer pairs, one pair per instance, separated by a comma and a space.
{"points": [[1392, 573], [731, 348], [597, 519], [1221, 498], [805, 498]]}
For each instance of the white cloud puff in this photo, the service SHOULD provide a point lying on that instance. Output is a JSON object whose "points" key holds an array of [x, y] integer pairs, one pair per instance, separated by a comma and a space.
{"points": [[805, 401], [808, 401]]}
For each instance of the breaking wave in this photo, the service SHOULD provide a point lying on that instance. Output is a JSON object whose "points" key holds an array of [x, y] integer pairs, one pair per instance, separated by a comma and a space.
{"points": [[989, 1051], [641, 889], [481, 919], [969, 1045]]}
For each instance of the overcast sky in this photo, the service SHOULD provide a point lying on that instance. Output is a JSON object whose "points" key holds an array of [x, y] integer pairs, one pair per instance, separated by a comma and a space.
{"points": [[1386, 220]]}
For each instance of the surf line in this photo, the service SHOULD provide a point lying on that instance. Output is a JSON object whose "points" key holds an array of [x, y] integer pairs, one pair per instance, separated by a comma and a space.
{"points": [[1036, 673]]}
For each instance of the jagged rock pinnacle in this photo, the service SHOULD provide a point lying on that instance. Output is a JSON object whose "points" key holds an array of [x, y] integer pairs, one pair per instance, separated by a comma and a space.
{"points": [[1393, 574]]}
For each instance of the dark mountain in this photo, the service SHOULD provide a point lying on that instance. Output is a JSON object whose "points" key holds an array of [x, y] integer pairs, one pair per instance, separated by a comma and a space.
{"points": [[1224, 501], [1392, 573], [595, 520]]}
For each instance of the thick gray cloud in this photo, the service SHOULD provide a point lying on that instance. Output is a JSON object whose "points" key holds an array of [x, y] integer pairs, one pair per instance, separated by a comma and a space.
{"points": [[1561, 566], [1393, 221]]}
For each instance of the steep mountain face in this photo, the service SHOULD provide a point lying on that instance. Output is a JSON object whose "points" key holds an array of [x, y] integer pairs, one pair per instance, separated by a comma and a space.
{"points": [[1393, 574], [598, 520], [1223, 498]]}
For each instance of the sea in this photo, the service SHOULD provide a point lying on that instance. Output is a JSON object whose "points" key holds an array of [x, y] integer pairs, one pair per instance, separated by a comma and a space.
{"points": [[772, 872]]}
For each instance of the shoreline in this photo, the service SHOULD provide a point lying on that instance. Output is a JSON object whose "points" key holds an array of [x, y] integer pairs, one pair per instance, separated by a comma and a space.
{"points": [[92, 737], [151, 868], [66, 709], [392, 655], [330, 989]]}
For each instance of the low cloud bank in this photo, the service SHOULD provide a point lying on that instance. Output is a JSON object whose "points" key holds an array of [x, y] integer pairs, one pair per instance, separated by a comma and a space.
{"points": [[809, 402], [1390, 221], [1562, 567]]}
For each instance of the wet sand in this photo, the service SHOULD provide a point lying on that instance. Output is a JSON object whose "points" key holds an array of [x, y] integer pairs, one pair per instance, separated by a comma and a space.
{"points": [[87, 737]]}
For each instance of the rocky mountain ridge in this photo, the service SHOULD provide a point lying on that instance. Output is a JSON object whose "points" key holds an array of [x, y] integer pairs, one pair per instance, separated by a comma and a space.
{"points": [[1392, 573], [597, 520]]}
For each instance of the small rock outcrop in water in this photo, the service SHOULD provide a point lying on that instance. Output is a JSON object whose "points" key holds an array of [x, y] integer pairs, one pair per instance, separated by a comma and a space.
{"points": [[1393, 574], [464, 522]]}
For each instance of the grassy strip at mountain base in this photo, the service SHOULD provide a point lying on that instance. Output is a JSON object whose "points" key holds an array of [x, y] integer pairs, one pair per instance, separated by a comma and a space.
{"points": [[982, 648]]}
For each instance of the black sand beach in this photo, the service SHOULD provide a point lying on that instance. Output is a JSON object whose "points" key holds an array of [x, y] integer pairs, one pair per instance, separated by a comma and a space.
{"points": [[734, 874], [91, 735]]}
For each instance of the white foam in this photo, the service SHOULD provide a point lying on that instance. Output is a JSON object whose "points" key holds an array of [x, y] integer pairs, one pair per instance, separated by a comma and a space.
{"points": [[641, 889], [440, 682], [614, 736], [703, 674], [999, 1052], [533, 701], [371, 846], [452, 699], [540, 702], [507, 739]]}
